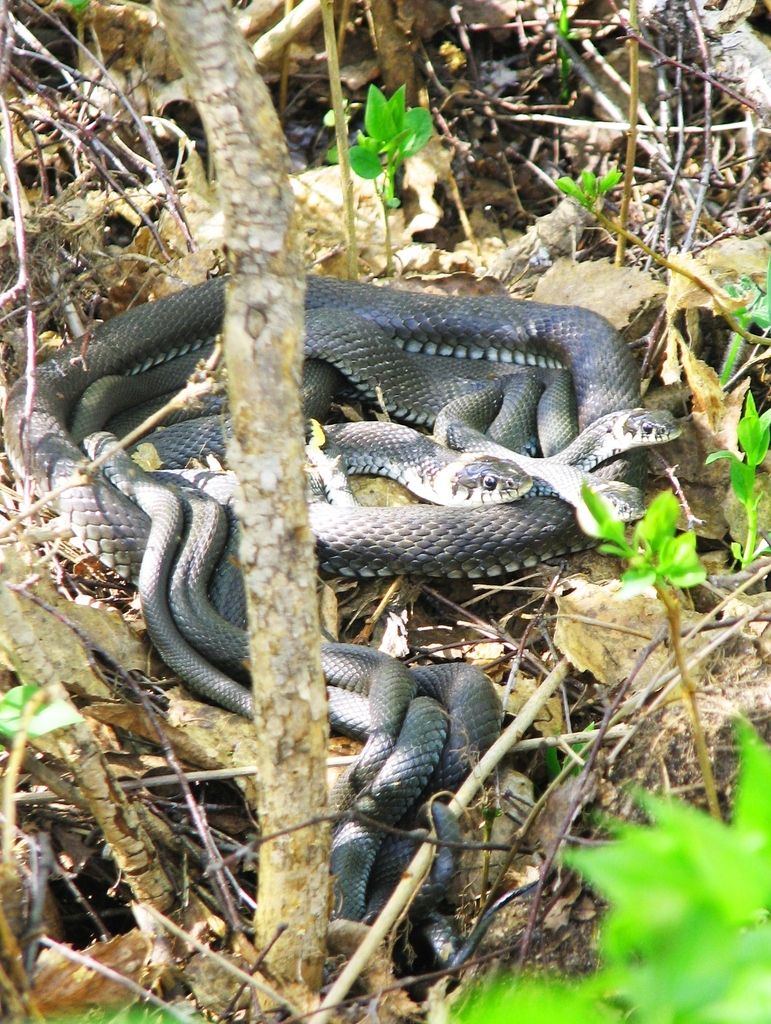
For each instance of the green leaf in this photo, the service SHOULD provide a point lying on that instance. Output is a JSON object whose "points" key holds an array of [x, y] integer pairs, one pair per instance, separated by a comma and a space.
{"points": [[765, 419], [55, 715], [752, 809], [365, 163], [329, 119], [660, 520], [662, 879], [687, 939], [679, 563], [611, 179], [570, 188], [531, 1001], [617, 550], [371, 145], [78, 5], [395, 145], [730, 361], [597, 518], [396, 108], [636, 582], [714, 456], [378, 119], [753, 439], [589, 183], [684, 577], [421, 127], [743, 481]]}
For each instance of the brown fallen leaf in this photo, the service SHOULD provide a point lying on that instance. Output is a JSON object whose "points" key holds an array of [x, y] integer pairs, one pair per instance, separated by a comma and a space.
{"points": [[61, 986], [604, 635], [617, 293], [37, 641], [559, 913]]}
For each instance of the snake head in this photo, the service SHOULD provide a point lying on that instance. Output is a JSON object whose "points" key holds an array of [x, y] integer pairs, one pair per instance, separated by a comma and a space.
{"points": [[484, 480], [646, 427]]}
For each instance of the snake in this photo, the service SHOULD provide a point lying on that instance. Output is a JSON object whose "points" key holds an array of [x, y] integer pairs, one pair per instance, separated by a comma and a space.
{"points": [[377, 340], [341, 317]]}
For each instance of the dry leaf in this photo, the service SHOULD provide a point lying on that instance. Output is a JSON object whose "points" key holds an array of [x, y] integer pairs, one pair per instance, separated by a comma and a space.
{"points": [[732, 258], [38, 643], [617, 293], [685, 293], [560, 812], [708, 395], [222, 738], [558, 914], [550, 721], [61, 986], [604, 636]]}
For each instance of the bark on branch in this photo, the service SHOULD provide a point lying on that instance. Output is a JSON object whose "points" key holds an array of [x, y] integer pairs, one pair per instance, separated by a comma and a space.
{"points": [[263, 350]]}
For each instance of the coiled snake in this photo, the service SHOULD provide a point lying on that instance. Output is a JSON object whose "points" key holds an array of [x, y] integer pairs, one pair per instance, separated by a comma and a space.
{"points": [[346, 323]]}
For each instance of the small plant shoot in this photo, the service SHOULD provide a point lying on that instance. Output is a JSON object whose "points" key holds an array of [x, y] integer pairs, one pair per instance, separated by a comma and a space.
{"points": [[753, 433], [590, 188], [564, 32], [661, 558], [657, 554], [393, 134], [756, 311]]}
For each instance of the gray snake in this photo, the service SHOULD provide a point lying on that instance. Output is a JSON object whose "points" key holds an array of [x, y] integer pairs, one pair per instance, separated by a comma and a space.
{"points": [[428, 540], [353, 327], [366, 542]]}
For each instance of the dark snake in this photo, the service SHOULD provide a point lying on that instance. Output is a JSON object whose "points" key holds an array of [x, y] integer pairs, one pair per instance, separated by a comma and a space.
{"points": [[427, 540], [364, 542]]}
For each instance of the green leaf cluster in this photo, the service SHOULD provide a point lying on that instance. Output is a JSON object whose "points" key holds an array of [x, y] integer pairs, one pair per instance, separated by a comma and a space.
{"points": [[753, 433], [656, 554], [687, 939], [55, 715], [392, 132], [589, 188]]}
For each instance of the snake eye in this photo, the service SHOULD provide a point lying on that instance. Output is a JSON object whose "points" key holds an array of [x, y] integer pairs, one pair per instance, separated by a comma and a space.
{"points": [[489, 482]]}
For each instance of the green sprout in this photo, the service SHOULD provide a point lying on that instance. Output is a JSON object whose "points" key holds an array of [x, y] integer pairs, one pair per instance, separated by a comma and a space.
{"points": [[757, 310], [661, 558], [565, 32], [393, 133], [591, 188], [657, 556], [753, 434]]}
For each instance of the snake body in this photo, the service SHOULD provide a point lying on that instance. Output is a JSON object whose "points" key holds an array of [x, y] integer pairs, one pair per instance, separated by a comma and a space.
{"points": [[345, 322], [375, 338]]}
